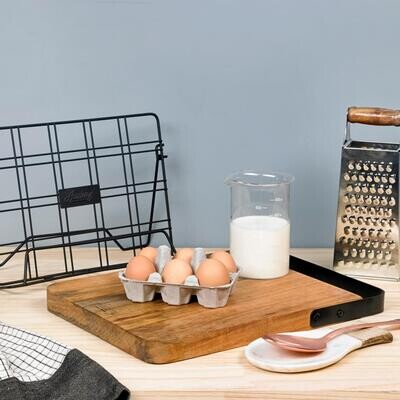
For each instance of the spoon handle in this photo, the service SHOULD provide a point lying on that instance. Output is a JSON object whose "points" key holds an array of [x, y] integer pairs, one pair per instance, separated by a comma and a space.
{"points": [[391, 324]]}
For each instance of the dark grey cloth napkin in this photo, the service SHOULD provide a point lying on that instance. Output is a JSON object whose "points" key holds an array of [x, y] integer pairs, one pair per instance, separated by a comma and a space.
{"points": [[33, 367]]}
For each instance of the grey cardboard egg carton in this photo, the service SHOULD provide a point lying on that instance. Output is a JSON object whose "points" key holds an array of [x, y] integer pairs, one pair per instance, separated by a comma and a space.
{"points": [[175, 294]]}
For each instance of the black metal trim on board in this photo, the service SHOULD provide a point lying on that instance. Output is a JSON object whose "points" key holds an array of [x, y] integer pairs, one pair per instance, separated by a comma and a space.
{"points": [[371, 302]]}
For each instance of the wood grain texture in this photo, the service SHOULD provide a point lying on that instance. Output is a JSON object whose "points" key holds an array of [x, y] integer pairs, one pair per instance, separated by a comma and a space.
{"points": [[372, 336], [370, 374], [373, 116], [158, 333]]}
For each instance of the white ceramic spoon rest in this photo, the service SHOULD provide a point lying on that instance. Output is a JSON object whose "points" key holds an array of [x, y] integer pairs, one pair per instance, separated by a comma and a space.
{"points": [[266, 356]]}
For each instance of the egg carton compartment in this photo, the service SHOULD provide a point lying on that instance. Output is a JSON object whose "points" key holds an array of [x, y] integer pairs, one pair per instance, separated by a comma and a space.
{"points": [[178, 294]]}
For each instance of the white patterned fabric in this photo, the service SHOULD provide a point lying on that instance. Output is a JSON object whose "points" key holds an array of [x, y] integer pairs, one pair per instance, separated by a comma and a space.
{"points": [[27, 356]]}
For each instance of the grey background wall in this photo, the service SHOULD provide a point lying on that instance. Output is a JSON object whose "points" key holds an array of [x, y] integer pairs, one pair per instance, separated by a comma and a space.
{"points": [[238, 84]]}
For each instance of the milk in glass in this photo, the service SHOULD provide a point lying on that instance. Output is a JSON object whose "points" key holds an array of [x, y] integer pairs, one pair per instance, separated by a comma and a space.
{"points": [[260, 246], [260, 227]]}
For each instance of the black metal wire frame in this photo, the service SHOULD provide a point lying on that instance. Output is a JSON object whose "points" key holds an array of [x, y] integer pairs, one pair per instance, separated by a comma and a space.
{"points": [[140, 228]]}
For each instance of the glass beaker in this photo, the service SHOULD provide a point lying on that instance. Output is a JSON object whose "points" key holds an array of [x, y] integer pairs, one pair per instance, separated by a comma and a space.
{"points": [[260, 227]]}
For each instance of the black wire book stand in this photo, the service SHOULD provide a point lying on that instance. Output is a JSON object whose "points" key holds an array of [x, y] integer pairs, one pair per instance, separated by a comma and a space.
{"points": [[65, 185]]}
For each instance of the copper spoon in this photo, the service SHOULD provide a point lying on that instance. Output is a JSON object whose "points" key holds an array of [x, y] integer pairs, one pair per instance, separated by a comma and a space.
{"points": [[315, 345]]}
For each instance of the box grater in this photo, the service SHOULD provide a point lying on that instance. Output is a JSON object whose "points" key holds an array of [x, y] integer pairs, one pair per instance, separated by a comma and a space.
{"points": [[367, 227]]}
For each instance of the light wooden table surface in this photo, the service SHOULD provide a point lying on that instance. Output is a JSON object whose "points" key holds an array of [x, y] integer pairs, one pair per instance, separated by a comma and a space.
{"points": [[371, 373]]}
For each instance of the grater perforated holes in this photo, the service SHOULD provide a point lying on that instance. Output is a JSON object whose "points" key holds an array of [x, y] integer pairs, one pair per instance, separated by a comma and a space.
{"points": [[367, 240], [371, 254], [367, 243]]}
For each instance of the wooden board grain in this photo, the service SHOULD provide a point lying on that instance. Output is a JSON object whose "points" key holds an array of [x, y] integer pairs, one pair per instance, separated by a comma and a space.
{"points": [[158, 333]]}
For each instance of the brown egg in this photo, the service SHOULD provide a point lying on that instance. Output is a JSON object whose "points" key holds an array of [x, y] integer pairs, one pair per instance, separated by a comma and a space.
{"points": [[184, 254], [212, 273], [176, 271], [139, 268], [226, 259], [150, 253]]}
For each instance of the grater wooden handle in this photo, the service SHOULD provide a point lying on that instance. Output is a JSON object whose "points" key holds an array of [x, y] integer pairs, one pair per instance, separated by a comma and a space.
{"points": [[373, 116]]}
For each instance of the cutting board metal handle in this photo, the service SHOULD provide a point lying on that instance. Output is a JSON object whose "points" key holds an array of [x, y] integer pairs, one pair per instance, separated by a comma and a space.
{"points": [[373, 116]]}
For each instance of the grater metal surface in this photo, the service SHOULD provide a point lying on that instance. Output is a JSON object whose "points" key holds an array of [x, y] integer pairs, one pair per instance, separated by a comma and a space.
{"points": [[367, 226]]}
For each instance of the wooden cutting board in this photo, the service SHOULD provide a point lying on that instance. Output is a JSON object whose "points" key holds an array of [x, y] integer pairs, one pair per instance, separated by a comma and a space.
{"points": [[158, 333]]}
